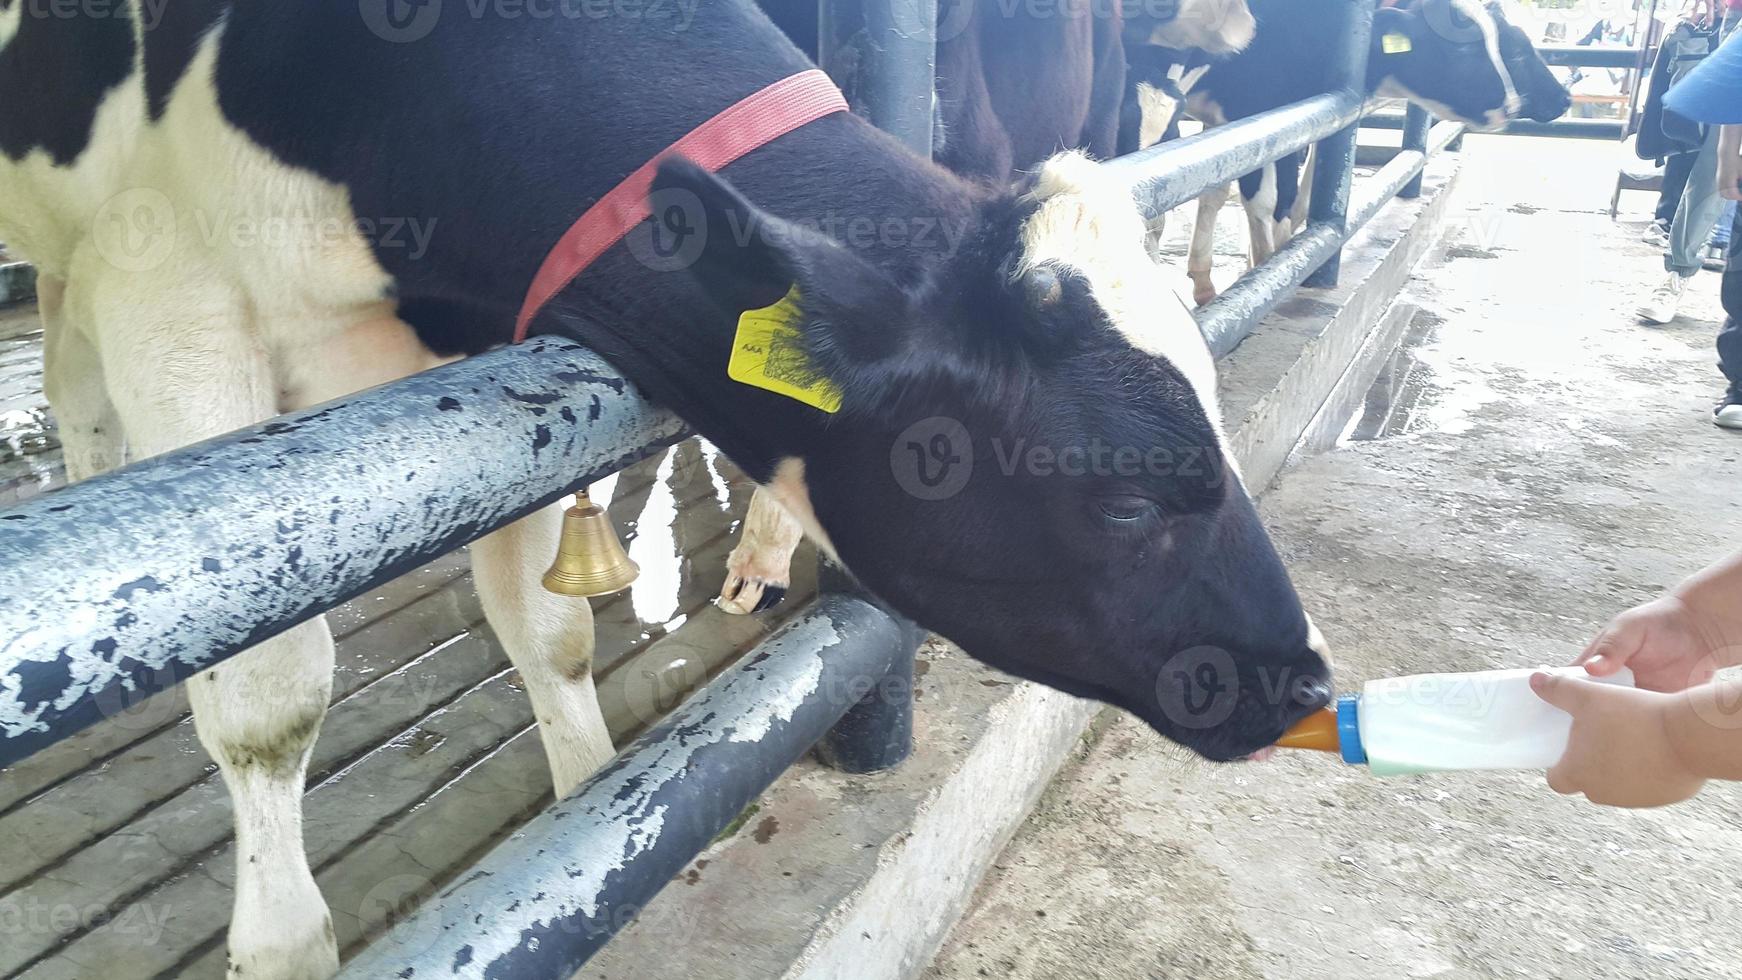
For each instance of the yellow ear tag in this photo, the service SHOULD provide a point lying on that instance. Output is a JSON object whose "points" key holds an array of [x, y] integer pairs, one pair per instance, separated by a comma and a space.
{"points": [[1396, 44], [769, 353]]}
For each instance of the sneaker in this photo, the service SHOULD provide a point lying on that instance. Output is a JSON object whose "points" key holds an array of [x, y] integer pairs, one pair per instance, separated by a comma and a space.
{"points": [[1715, 257], [1656, 233], [1728, 414], [1665, 300]]}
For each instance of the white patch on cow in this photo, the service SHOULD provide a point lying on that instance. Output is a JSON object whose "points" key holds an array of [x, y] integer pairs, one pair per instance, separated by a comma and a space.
{"points": [[1260, 218], [1216, 27], [1157, 108], [207, 287], [1084, 222], [1480, 15], [10, 18], [1491, 121]]}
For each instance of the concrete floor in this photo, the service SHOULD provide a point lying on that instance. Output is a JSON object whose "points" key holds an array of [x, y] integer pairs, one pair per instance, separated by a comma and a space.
{"points": [[1537, 462]]}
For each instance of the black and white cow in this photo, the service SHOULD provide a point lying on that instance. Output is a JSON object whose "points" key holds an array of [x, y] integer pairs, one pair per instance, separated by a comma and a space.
{"points": [[1016, 83], [207, 188], [1460, 59]]}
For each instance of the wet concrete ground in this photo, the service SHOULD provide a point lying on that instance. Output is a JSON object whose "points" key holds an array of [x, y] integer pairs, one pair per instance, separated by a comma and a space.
{"points": [[115, 846], [1536, 462]]}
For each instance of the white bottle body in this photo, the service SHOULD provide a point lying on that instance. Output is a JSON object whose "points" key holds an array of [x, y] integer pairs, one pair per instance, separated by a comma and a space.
{"points": [[1483, 720]]}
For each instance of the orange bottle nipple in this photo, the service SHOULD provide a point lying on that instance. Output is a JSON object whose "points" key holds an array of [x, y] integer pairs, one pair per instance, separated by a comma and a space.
{"points": [[1316, 731]]}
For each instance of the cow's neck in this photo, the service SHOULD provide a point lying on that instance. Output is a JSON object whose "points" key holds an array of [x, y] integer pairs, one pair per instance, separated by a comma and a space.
{"points": [[674, 341]]}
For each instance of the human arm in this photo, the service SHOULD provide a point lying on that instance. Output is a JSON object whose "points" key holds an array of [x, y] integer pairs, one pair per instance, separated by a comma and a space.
{"points": [[1679, 640]]}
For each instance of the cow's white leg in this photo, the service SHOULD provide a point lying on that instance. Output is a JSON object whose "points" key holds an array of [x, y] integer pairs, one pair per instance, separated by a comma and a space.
{"points": [[759, 570], [1202, 258], [182, 364], [550, 640], [1261, 219], [1297, 215], [72, 377]]}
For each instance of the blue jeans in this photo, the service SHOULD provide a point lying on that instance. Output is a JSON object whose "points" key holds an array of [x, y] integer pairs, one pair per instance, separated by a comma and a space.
{"points": [[1721, 234], [1701, 205], [1730, 337]]}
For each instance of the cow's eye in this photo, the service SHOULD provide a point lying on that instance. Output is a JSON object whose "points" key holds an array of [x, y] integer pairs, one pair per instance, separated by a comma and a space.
{"points": [[1125, 508]]}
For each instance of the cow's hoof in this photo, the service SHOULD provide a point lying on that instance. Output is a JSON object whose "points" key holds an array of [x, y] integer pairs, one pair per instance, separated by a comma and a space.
{"points": [[313, 956], [742, 595], [1202, 295]]}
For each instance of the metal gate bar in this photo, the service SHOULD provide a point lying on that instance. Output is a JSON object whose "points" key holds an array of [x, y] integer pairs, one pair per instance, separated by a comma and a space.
{"points": [[130, 582], [541, 903]]}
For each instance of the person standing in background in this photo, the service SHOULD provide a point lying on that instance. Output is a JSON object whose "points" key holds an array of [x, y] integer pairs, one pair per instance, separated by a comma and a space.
{"points": [[1712, 94], [1700, 205]]}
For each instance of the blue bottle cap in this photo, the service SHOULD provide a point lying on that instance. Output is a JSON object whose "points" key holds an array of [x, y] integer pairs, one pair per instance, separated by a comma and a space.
{"points": [[1348, 731]]}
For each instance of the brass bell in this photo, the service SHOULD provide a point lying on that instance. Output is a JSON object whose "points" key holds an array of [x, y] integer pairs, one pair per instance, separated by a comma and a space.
{"points": [[590, 560]]}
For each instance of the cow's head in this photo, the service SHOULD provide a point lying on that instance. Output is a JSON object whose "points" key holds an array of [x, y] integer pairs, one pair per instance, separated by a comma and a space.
{"points": [[1029, 460], [1216, 27], [1463, 60]]}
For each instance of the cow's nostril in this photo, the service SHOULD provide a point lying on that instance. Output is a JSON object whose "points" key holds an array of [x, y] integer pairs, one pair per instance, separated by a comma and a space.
{"points": [[1312, 693]]}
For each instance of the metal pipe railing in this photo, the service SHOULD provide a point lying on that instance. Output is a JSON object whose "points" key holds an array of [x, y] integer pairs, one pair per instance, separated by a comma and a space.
{"points": [[1593, 129], [1231, 317], [1591, 56], [1416, 121], [551, 896], [1334, 169], [1168, 175], [133, 581]]}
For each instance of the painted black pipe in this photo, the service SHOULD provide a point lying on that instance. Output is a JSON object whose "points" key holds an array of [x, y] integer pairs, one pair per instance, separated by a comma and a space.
{"points": [[1416, 121], [551, 896], [1591, 56], [1589, 129], [900, 69], [1334, 166], [133, 581]]}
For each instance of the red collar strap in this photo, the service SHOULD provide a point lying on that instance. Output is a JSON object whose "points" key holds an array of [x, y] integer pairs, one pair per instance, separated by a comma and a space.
{"points": [[757, 120]]}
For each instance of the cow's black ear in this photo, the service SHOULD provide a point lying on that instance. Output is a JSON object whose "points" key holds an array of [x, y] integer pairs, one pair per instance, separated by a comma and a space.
{"points": [[747, 258]]}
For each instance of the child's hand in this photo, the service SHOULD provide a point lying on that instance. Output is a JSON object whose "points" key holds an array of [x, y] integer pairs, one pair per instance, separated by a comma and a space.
{"points": [[1666, 643], [1620, 752]]}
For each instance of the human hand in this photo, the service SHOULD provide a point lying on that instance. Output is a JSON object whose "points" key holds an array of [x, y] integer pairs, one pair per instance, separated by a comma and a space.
{"points": [[1620, 751], [1666, 643]]}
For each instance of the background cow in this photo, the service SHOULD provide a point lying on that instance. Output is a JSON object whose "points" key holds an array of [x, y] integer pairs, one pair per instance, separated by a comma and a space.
{"points": [[132, 146], [1460, 59]]}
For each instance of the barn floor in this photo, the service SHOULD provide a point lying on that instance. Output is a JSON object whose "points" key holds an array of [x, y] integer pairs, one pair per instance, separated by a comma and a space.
{"points": [[115, 846], [1534, 462]]}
